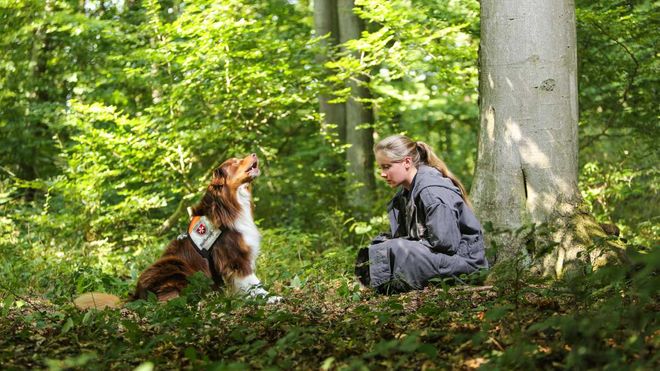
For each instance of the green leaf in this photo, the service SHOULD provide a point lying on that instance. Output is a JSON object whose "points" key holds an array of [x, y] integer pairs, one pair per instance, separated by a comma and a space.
{"points": [[68, 325]]}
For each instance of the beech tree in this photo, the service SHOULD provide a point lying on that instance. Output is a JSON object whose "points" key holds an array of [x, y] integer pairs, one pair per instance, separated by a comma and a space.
{"points": [[326, 25], [338, 23], [527, 167]]}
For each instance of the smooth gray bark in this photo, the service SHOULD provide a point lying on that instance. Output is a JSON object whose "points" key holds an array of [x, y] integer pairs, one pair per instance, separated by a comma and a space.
{"points": [[527, 167], [326, 23]]}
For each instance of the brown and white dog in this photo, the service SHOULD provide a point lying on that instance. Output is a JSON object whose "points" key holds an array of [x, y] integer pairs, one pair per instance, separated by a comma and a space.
{"points": [[222, 242]]}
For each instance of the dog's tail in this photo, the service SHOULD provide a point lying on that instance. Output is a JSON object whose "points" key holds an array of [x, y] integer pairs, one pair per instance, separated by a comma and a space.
{"points": [[97, 300]]}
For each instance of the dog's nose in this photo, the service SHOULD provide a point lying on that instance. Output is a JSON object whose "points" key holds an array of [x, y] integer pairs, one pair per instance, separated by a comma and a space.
{"points": [[254, 155]]}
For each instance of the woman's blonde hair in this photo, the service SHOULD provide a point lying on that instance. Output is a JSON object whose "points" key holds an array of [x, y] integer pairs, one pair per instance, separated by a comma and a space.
{"points": [[398, 147]]}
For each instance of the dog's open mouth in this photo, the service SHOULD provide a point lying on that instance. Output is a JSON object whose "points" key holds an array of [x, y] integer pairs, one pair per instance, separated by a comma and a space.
{"points": [[253, 170]]}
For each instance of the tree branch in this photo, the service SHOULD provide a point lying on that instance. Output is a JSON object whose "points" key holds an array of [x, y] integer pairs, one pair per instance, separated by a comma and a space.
{"points": [[631, 79], [169, 223]]}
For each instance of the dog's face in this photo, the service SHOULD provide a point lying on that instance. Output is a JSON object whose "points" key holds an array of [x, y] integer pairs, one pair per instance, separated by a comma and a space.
{"points": [[234, 172]]}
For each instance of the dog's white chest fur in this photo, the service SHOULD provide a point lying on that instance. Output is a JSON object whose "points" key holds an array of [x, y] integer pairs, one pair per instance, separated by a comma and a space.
{"points": [[245, 222], [250, 284]]}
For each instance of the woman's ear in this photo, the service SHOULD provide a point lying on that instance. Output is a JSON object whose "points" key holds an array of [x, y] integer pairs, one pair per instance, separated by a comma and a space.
{"points": [[407, 162]]}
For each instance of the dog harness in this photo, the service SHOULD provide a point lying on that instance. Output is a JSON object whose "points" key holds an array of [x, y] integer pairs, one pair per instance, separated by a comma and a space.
{"points": [[203, 234]]}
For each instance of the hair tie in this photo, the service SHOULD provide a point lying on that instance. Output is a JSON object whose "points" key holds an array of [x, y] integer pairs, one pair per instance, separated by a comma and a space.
{"points": [[422, 151]]}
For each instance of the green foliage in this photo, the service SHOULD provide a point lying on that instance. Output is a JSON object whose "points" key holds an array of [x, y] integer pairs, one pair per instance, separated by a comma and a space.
{"points": [[618, 114], [148, 104], [419, 60], [113, 113]]}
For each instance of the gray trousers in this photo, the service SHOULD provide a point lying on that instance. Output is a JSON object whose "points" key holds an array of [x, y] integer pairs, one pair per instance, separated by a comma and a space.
{"points": [[400, 264]]}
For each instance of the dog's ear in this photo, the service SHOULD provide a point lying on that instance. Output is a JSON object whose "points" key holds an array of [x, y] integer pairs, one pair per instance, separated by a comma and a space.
{"points": [[219, 178]]}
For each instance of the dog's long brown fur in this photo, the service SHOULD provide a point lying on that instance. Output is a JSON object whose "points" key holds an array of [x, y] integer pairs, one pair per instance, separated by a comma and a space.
{"points": [[232, 256]]}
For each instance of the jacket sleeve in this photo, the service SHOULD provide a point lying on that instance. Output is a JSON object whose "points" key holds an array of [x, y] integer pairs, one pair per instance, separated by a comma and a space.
{"points": [[442, 227], [393, 216]]}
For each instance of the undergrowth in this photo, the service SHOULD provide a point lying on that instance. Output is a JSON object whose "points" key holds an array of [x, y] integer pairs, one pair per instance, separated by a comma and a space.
{"points": [[605, 320]]}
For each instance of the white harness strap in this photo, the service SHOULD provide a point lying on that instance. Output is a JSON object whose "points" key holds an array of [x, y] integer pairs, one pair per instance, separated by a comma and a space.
{"points": [[203, 233]]}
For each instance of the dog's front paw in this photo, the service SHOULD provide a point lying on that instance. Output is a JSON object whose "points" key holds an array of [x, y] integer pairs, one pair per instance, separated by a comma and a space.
{"points": [[274, 299], [257, 291]]}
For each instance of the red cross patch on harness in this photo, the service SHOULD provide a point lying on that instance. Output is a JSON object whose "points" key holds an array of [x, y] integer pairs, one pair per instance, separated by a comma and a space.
{"points": [[203, 232]]}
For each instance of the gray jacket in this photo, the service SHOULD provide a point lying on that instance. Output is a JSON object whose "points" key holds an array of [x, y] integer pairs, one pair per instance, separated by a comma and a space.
{"points": [[434, 211]]}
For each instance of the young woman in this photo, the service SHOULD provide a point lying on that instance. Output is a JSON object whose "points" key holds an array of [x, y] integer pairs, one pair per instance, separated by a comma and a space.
{"points": [[434, 232]]}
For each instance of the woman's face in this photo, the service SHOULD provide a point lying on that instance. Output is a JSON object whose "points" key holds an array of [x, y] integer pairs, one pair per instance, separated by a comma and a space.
{"points": [[395, 173]]}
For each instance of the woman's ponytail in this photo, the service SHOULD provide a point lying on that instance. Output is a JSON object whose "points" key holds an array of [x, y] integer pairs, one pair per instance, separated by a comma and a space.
{"points": [[427, 156]]}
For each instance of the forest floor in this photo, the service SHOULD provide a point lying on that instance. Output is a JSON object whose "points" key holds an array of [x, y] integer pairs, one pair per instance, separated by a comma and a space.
{"points": [[337, 325], [505, 319]]}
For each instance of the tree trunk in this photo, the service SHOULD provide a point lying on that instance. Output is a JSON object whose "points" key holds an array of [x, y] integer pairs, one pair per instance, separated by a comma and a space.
{"points": [[31, 168], [527, 167], [358, 115], [326, 23]]}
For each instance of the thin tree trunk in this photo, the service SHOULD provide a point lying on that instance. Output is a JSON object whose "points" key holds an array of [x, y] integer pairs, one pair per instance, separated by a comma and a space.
{"points": [[38, 129], [359, 133], [527, 167], [326, 23]]}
